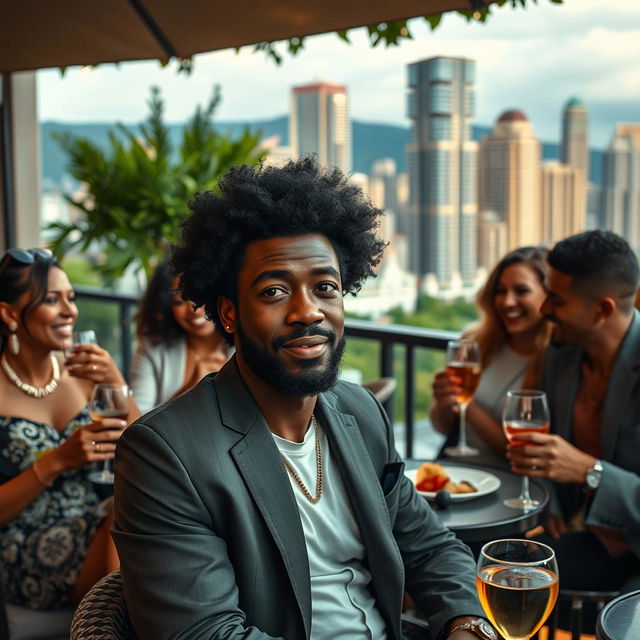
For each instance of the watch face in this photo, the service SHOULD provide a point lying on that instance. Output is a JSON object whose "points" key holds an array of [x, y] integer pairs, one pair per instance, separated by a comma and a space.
{"points": [[593, 478]]}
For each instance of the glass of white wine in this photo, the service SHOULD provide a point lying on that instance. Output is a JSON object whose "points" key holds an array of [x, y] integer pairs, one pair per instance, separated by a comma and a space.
{"points": [[463, 362], [107, 401], [517, 582]]}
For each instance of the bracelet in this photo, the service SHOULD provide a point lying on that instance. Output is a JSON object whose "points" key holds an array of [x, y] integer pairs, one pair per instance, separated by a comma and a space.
{"points": [[38, 477]]}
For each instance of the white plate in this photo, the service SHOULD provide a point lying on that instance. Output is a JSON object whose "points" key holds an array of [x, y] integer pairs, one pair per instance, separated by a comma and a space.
{"points": [[483, 481]]}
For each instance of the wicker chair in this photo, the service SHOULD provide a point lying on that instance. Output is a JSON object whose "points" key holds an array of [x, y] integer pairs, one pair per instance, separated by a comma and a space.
{"points": [[102, 613], [381, 389]]}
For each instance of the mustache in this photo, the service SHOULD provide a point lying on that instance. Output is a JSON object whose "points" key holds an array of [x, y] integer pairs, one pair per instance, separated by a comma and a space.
{"points": [[304, 333]]}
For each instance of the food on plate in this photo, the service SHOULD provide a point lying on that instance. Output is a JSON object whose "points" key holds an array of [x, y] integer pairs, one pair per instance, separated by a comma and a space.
{"points": [[432, 477]]}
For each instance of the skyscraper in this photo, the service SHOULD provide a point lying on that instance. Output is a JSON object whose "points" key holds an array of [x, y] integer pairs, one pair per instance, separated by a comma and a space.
{"points": [[320, 124], [442, 162], [621, 189], [575, 147], [575, 136], [492, 239], [509, 178], [563, 201]]}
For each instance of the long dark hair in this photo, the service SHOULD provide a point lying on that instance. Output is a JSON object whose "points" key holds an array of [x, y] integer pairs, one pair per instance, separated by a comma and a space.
{"points": [[18, 278], [155, 321]]}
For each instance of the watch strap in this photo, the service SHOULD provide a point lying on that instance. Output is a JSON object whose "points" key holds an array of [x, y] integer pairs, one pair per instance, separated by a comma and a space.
{"points": [[476, 627]]}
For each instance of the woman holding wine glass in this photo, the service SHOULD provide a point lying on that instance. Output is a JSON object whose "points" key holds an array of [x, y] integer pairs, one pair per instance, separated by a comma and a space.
{"points": [[511, 335], [55, 524]]}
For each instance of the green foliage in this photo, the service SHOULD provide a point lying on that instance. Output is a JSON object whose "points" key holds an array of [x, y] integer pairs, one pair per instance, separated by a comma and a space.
{"points": [[138, 188], [364, 355], [393, 33]]}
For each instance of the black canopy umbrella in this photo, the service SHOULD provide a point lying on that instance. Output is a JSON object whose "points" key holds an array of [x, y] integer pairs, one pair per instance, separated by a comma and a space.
{"points": [[59, 33]]}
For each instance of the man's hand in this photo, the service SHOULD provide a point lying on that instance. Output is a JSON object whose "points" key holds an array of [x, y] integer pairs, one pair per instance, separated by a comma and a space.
{"points": [[549, 456]]}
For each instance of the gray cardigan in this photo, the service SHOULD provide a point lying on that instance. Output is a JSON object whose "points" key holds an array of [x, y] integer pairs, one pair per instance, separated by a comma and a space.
{"points": [[157, 372]]}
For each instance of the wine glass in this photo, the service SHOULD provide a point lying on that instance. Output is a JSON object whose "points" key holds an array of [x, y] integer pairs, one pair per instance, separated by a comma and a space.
{"points": [[88, 336], [517, 582], [463, 362], [107, 401], [525, 411]]}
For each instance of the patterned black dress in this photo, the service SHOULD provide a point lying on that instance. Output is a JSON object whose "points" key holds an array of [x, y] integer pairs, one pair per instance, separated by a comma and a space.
{"points": [[43, 548]]}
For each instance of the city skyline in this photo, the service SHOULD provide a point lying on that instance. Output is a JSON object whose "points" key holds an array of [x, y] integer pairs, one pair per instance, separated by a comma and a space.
{"points": [[517, 55]]}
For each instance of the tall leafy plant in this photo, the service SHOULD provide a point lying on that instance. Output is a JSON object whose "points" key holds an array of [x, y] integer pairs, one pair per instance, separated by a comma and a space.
{"points": [[137, 188]]}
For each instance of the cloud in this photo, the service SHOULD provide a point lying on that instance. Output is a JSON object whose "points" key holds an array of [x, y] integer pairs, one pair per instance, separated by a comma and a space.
{"points": [[533, 59]]}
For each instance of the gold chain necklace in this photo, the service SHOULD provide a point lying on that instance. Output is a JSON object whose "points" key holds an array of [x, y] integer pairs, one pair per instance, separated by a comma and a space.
{"points": [[29, 389], [305, 492]]}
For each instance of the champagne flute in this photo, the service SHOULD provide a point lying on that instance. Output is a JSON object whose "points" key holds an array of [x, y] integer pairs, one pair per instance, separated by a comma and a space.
{"points": [[525, 411], [107, 401], [517, 582], [463, 362]]}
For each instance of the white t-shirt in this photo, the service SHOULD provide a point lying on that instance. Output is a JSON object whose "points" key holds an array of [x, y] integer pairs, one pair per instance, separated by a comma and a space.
{"points": [[341, 601]]}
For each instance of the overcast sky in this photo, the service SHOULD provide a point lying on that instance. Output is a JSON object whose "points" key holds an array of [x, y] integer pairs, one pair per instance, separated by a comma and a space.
{"points": [[532, 59]]}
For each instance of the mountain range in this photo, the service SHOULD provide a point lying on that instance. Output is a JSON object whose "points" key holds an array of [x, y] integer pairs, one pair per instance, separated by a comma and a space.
{"points": [[371, 141]]}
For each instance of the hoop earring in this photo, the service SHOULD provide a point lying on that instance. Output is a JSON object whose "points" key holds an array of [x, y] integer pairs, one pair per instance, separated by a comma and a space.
{"points": [[14, 343]]}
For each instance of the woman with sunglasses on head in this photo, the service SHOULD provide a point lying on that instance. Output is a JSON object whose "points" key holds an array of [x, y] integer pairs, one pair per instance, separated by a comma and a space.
{"points": [[512, 336], [177, 344], [55, 538]]}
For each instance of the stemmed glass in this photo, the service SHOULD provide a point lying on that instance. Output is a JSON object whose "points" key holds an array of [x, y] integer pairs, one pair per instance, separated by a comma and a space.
{"points": [[463, 362], [107, 401], [517, 582], [88, 336], [525, 411]]}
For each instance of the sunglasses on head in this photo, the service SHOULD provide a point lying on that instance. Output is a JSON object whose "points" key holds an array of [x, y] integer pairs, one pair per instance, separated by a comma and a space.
{"points": [[29, 256], [25, 256]]}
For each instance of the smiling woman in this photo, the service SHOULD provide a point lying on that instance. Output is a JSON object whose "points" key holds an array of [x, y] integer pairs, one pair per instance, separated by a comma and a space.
{"points": [[512, 336], [48, 440], [177, 344]]}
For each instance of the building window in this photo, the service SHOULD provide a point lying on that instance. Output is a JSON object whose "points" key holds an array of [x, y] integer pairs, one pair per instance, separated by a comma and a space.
{"points": [[439, 128], [439, 98]]}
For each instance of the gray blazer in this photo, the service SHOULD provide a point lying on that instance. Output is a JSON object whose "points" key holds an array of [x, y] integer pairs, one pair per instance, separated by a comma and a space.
{"points": [[616, 503], [208, 531]]}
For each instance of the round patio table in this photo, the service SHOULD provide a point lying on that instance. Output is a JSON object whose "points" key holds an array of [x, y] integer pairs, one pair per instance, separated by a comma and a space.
{"points": [[487, 518], [620, 618]]}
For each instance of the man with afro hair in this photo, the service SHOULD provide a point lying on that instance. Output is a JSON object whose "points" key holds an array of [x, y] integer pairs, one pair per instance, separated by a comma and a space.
{"points": [[269, 500]]}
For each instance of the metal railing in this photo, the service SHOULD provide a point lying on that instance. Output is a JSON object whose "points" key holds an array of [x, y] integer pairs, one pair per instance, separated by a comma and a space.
{"points": [[386, 335]]}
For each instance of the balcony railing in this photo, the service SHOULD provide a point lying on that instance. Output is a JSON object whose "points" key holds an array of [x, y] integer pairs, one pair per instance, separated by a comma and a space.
{"points": [[387, 336]]}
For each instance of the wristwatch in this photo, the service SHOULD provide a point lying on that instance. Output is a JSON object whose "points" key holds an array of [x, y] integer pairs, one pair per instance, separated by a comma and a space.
{"points": [[594, 475], [479, 627]]}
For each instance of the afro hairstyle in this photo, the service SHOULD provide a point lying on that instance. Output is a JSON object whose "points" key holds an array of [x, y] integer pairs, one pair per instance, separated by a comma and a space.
{"points": [[296, 199]]}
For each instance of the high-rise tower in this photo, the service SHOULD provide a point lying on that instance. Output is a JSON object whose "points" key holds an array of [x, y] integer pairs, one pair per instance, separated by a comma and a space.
{"points": [[575, 136], [621, 189], [442, 162], [320, 124], [509, 178], [575, 151]]}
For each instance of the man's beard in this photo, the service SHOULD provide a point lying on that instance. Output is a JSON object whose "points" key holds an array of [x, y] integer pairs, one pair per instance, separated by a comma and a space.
{"points": [[270, 369]]}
